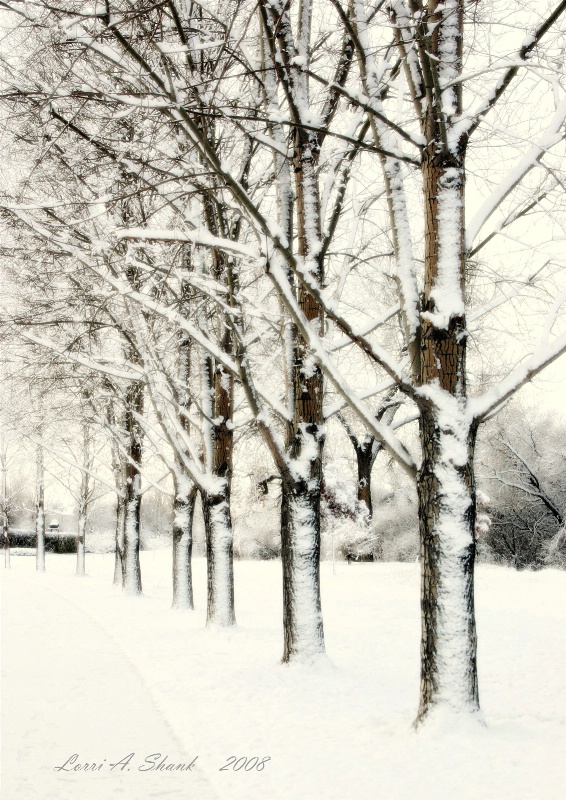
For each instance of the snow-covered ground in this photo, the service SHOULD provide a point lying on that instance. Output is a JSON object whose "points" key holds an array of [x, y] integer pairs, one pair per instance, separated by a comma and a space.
{"points": [[90, 672]]}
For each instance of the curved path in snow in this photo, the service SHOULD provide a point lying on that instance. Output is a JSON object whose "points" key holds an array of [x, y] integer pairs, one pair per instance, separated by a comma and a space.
{"points": [[75, 691]]}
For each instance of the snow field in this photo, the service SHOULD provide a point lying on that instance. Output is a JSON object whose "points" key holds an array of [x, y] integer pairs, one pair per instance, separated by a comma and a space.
{"points": [[90, 671]]}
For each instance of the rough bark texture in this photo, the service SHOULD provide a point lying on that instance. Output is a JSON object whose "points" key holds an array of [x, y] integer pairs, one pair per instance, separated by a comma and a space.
{"points": [[131, 571], [300, 555], [219, 556], [185, 491], [445, 481], [184, 509], [119, 538], [216, 506], [300, 495], [448, 629]]}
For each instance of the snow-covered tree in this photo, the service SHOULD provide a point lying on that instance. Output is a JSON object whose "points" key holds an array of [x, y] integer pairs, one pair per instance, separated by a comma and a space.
{"points": [[308, 120]]}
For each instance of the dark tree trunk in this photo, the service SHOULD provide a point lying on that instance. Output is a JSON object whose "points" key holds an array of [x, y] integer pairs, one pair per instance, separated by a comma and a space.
{"points": [[131, 571], [119, 538], [365, 459], [184, 509]]}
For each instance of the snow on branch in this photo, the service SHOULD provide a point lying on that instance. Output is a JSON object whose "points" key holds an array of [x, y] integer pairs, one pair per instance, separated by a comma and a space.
{"points": [[529, 44], [382, 432], [199, 236], [526, 163], [480, 407], [97, 366]]}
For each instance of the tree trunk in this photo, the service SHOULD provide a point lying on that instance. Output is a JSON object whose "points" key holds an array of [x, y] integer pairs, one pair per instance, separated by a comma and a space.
{"points": [[81, 542], [447, 520], [5, 534], [216, 507], [84, 499], [6, 542], [119, 538], [40, 513], [184, 508], [300, 554], [131, 571], [119, 475], [445, 483], [301, 487], [365, 460], [219, 556]]}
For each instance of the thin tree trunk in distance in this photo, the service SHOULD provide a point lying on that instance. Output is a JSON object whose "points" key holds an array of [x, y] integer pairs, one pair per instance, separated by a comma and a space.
{"points": [[5, 534], [40, 512], [84, 493], [81, 544]]}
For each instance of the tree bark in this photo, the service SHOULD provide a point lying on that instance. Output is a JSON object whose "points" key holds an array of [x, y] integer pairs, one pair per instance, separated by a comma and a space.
{"points": [[81, 570], [119, 539], [184, 508], [445, 483], [216, 505], [300, 555], [84, 494], [131, 571], [365, 460], [40, 512], [447, 511], [300, 496], [6, 542], [219, 556]]}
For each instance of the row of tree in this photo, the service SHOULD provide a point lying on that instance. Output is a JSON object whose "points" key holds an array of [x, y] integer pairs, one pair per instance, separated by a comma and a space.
{"points": [[252, 215]]}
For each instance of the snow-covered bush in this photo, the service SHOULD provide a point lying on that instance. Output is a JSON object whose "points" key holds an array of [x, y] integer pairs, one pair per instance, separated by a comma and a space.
{"points": [[344, 518], [396, 524], [256, 504]]}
